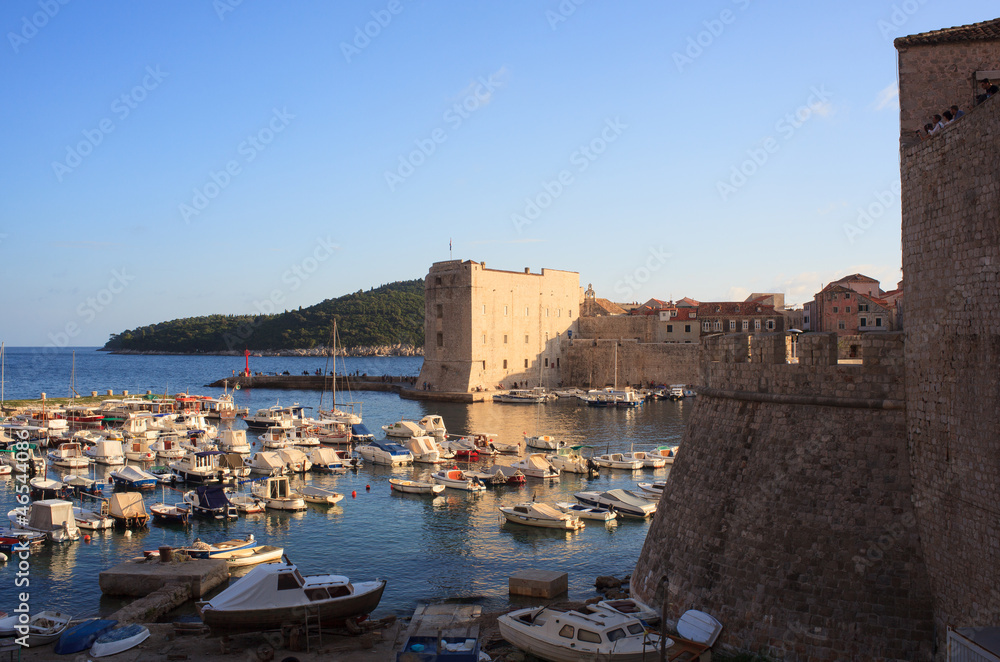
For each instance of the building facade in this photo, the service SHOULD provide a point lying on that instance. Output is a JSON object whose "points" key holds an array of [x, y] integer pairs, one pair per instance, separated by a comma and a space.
{"points": [[739, 317], [486, 327], [852, 305]]}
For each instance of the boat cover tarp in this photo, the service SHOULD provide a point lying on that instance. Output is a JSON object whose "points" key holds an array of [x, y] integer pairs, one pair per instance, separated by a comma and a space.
{"points": [[108, 449], [127, 505], [266, 460], [259, 590], [324, 456], [212, 496], [231, 461], [133, 474], [549, 511], [292, 455], [360, 430], [51, 514]]}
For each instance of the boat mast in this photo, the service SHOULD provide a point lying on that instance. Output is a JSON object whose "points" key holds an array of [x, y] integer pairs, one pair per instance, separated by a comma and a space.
{"points": [[616, 365], [3, 375]]}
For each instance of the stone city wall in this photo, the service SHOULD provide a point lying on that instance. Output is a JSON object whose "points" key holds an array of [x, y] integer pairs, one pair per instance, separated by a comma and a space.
{"points": [[788, 515], [951, 258], [592, 363]]}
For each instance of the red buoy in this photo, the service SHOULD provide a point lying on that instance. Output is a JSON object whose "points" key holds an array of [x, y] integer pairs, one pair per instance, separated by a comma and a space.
{"points": [[354, 494], [86, 538], [368, 488]]}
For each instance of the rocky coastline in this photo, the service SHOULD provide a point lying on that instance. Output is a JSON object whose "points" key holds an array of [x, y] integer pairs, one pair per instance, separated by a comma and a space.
{"points": [[376, 350]]}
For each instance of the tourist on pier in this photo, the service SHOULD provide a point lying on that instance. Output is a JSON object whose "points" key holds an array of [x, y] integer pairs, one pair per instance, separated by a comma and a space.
{"points": [[989, 89]]}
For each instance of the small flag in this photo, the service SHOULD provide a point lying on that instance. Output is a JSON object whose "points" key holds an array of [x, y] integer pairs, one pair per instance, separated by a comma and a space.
{"points": [[449, 243]]}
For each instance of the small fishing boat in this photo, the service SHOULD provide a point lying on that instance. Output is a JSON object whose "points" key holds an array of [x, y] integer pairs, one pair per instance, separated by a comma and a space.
{"points": [[277, 494], [403, 429], [132, 478], [81, 636], [169, 446], [327, 460], [91, 520], [319, 495], [414, 486], [138, 450], [295, 460], [505, 448], [20, 538], [569, 460], [165, 513], [251, 556], [648, 460], [457, 479], [535, 465], [81, 485], [210, 501], [266, 463], [542, 515], [618, 461], [544, 442], [203, 550], [600, 634], [490, 479], [586, 512], [53, 517], [513, 475], [107, 452], [276, 593], [128, 510], [199, 467], [623, 502], [462, 448], [69, 455], [163, 474], [119, 640], [424, 449], [45, 627], [668, 453], [519, 396], [654, 489], [234, 441], [46, 488]]}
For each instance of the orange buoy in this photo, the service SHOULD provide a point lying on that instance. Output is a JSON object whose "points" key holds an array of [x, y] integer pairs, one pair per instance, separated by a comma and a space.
{"points": [[86, 538], [368, 488], [354, 494]]}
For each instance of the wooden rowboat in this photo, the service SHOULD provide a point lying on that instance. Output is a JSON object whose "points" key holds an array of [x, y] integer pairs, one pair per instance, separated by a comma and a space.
{"points": [[252, 556], [415, 486]]}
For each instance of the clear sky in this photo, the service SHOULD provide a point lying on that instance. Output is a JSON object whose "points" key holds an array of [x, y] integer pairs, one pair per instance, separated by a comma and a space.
{"points": [[171, 159]]}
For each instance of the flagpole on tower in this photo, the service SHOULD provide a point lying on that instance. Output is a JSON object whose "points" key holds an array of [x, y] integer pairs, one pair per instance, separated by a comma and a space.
{"points": [[449, 249]]}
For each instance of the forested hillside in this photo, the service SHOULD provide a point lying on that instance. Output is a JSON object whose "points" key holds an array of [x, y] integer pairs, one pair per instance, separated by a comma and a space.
{"points": [[389, 315]]}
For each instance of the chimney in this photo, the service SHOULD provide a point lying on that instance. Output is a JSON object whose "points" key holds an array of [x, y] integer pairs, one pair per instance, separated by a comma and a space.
{"points": [[527, 270]]}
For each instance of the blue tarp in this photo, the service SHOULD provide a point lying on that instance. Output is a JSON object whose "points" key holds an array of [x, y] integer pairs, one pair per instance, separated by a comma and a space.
{"points": [[359, 430], [212, 497]]}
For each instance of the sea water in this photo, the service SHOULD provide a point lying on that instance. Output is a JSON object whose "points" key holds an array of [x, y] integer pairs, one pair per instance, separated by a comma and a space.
{"points": [[455, 545]]}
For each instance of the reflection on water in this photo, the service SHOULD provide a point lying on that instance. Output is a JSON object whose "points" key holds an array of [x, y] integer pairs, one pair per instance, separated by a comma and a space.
{"points": [[456, 544]]}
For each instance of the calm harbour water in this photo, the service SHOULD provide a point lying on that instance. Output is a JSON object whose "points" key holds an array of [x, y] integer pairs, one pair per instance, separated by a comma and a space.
{"points": [[451, 546]]}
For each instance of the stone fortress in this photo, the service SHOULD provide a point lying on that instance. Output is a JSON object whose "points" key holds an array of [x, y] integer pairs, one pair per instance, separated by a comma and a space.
{"points": [[827, 511]]}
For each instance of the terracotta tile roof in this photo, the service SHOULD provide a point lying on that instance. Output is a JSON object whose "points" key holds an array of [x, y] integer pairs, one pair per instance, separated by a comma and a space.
{"points": [[855, 278], [609, 307], [985, 31], [687, 301]]}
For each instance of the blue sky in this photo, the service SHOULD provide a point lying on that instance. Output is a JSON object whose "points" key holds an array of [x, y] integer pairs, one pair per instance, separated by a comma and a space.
{"points": [[171, 159]]}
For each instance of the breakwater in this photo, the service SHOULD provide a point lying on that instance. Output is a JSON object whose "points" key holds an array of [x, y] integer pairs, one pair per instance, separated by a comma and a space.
{"points": [[404, 386], [322, 351]]}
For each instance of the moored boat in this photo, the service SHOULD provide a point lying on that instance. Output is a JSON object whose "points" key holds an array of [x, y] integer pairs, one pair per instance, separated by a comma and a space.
{"points": [[535, 465], [45, 627], [210, 501], [165, 513], [457, 479], [541, 515], [544, 442], [618, 461], [586, 512], [203, 550], [319, 495], [91, 520], [240, 558], [653, 490], [132, 478], [69, 455], [623, 502], [668, 453], [276, 493], [53, 517], [275, 593], [415, 486], [128, 510], [384, 452]]}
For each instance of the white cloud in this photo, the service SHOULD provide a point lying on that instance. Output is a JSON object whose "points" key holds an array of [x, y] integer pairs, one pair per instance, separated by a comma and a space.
{"points": [[738, 294], [888, 97]]}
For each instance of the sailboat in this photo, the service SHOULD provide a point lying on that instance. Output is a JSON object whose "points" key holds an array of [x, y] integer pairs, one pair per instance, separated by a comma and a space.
{"points": [[613, 397], [351, 414]]}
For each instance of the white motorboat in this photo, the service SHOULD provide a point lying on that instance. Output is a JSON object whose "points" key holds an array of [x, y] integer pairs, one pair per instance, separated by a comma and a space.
{"points": [[246, 504], [423, 449], [457, 479], [648, 460], [285, 416], [295, 460], [463, 448], [41, 487], [93, 521], [266, 463], [169, 446], [138, 450], [53, 517], [277, 494], [45, 627], [286, 437], [164, 474], [502, 447], [519, 396], [69, 455], [623, 502], [535, 465], [592, 633], [586, 512], [199, 467], [276, 593], [569, 460], [618, 461], [542, 515], [177, 513], [415, 486], [433, 425], [233, 441], [327, 460], [654, 489], [403, 430], [204, 550], [384, 452], [319, 495], [119, 640], [107, 452], [212, 502], [544, 442]]}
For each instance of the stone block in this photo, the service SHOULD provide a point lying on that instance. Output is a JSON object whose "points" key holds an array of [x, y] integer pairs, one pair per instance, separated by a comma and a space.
{"points": [[538, 583]]}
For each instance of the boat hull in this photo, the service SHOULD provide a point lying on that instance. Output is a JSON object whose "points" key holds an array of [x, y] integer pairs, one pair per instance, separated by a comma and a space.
{"points": [[541, 648], [331, 612]]}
